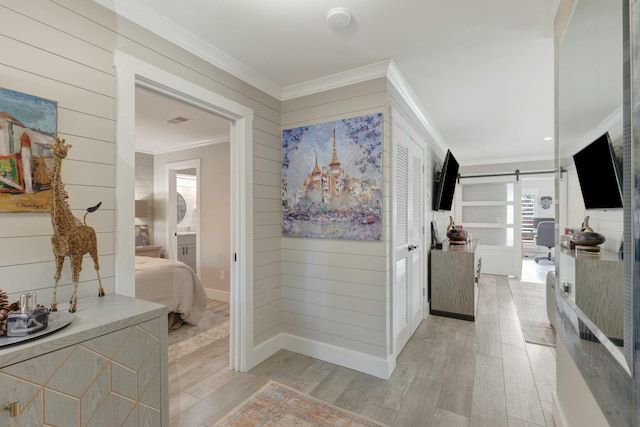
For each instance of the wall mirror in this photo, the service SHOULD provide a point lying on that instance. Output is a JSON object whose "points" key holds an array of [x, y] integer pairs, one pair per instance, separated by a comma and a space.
{"points": [[591, 94]]}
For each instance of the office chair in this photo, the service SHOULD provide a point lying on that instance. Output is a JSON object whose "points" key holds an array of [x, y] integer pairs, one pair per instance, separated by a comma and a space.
{"points": [[546, 236]]}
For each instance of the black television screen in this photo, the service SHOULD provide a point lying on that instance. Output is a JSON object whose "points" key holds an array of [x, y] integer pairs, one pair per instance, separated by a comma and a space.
{"points": [[598, 174], [446, 186]]}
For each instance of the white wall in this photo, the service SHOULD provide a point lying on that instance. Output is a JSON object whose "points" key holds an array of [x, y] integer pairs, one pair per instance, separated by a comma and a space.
{"points": [[51, 51], [214, 233], [336, 292], [64, 51], [541, 187]]}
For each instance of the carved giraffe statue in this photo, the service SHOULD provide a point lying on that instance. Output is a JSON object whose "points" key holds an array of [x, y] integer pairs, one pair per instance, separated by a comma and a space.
{"points": [[71, 237]]}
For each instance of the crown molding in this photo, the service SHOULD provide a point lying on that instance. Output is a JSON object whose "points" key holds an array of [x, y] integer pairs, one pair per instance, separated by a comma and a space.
{"points": [[396, 78], [152, 21], [337, 80]]}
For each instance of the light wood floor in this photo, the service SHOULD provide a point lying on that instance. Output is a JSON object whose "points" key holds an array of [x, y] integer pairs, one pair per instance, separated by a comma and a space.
{"points": [[536, 272], [451, 373]]}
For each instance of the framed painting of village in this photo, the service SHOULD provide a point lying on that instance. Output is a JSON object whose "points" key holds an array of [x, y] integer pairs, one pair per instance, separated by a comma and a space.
{"points": [[27, 124], [332, 179]]}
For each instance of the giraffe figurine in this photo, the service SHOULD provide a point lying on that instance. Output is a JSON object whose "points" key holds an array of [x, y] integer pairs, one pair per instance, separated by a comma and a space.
{"points": [[71, 237]]}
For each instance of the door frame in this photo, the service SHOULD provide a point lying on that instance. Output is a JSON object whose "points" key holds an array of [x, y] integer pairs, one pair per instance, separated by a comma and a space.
{"points": [[398, 121], [131, 71]]}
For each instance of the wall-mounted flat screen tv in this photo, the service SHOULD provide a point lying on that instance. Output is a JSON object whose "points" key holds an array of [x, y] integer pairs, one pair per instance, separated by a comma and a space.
{"points": [[599, 174], [446, 185]]}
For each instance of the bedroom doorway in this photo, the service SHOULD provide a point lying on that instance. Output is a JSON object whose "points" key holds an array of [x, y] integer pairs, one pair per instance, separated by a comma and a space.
{"points": [[131, 72]]}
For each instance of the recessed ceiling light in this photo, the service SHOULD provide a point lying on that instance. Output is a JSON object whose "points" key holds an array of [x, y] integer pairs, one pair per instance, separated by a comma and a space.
{"points": [[548, 138], [338, 18]]}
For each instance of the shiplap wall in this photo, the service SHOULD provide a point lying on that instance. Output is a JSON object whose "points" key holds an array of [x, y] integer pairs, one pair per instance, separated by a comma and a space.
{"points": [[52, 52], [63, 50], [144, 188], [156, 51], [337, 291]]}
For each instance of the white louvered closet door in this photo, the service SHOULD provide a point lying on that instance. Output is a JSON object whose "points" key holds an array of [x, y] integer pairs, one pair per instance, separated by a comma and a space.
{"points": [[408, 236]]}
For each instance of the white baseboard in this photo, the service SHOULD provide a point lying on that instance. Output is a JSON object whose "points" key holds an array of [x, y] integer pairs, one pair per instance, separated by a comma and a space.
{"points": [[217, 294], [263, 351], [558, 415], [376, 366]]}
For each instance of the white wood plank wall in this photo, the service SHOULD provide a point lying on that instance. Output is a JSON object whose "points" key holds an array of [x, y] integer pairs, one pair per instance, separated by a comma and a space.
{"points": [[156, 51], [63, 50], [337, 291], [52, 52]]}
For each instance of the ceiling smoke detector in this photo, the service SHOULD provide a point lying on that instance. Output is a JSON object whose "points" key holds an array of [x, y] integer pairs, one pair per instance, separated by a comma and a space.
{"points": [[338, 18], [177, 120]]}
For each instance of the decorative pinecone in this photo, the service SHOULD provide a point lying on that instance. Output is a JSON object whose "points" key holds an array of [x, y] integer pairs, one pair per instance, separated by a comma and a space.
{"points": [[5, 310]]}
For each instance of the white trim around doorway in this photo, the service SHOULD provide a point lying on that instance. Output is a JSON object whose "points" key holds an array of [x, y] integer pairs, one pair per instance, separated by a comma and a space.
{"points": [[130, 72]]}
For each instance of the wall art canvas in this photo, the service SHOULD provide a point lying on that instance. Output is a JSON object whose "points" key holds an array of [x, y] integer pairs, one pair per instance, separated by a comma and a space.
{"points": [[27, 124], [332, 179]]}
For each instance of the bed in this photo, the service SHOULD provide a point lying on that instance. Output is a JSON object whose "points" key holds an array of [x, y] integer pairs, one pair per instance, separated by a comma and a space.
{"points": [[171, 283]]}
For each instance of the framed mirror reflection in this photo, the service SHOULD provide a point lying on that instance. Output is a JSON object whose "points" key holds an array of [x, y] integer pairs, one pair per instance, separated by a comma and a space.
{"points": [[593, 113]]}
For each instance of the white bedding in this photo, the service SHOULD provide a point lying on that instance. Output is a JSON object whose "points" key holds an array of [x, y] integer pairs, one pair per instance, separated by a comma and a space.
{"points": [[171, 283]]}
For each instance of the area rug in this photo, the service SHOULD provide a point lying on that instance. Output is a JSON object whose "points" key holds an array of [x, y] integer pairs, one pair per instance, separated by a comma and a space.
{"points": [[214, 325], [530, 299], [278, 405]]}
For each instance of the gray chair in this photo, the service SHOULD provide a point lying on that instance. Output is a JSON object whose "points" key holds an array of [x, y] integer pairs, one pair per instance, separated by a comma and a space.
{"points": [[538, 220], [546, 236]]}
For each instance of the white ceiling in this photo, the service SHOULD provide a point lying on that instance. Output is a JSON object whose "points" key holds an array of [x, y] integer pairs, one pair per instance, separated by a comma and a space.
{"points": [[155, 134], [481, 70]]}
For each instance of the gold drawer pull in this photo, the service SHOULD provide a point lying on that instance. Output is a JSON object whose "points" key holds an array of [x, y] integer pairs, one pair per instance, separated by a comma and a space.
{"points": [[13, 408]]}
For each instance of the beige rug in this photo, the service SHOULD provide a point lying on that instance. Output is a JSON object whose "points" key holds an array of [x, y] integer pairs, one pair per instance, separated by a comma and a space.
{"points": [[281, 406], [531, 303], [213, 326]]}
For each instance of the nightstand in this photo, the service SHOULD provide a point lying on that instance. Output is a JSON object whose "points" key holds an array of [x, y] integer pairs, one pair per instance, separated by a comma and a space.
{"points": [[150, 251]]}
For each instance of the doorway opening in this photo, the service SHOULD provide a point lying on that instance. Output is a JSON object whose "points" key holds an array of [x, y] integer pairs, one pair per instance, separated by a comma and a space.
{"points": [[132, 72]]}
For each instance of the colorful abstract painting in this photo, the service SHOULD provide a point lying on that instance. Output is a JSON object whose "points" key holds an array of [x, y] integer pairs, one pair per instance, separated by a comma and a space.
{"points": [[332, 179], [27, 124]]}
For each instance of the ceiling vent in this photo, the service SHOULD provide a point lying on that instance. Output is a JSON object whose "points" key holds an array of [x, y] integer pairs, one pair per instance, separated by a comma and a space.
{"points": [[177, 120]]}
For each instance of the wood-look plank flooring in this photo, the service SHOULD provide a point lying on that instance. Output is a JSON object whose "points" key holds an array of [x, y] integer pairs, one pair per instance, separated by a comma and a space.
{"points": [[534, 272], [451, 373]]}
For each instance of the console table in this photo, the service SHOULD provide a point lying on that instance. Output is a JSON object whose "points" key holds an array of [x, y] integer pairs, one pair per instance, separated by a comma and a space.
{"points": [[596, 284], [107, 367], [454, 281]]}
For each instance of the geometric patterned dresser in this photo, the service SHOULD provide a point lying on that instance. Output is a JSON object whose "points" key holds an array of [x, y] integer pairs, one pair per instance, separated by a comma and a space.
{"points": [[107, 368]]}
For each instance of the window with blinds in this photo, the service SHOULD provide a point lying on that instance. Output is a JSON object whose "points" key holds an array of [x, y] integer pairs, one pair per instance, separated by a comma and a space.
{"points": [[527, 212]]}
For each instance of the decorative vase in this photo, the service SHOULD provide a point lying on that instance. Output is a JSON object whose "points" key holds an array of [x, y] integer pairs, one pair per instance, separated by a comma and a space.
{"points": [[456, 236], [586, 236]]}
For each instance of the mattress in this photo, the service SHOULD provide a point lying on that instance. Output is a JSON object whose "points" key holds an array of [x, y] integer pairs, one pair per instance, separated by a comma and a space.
{"points": [[173, 284]]}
